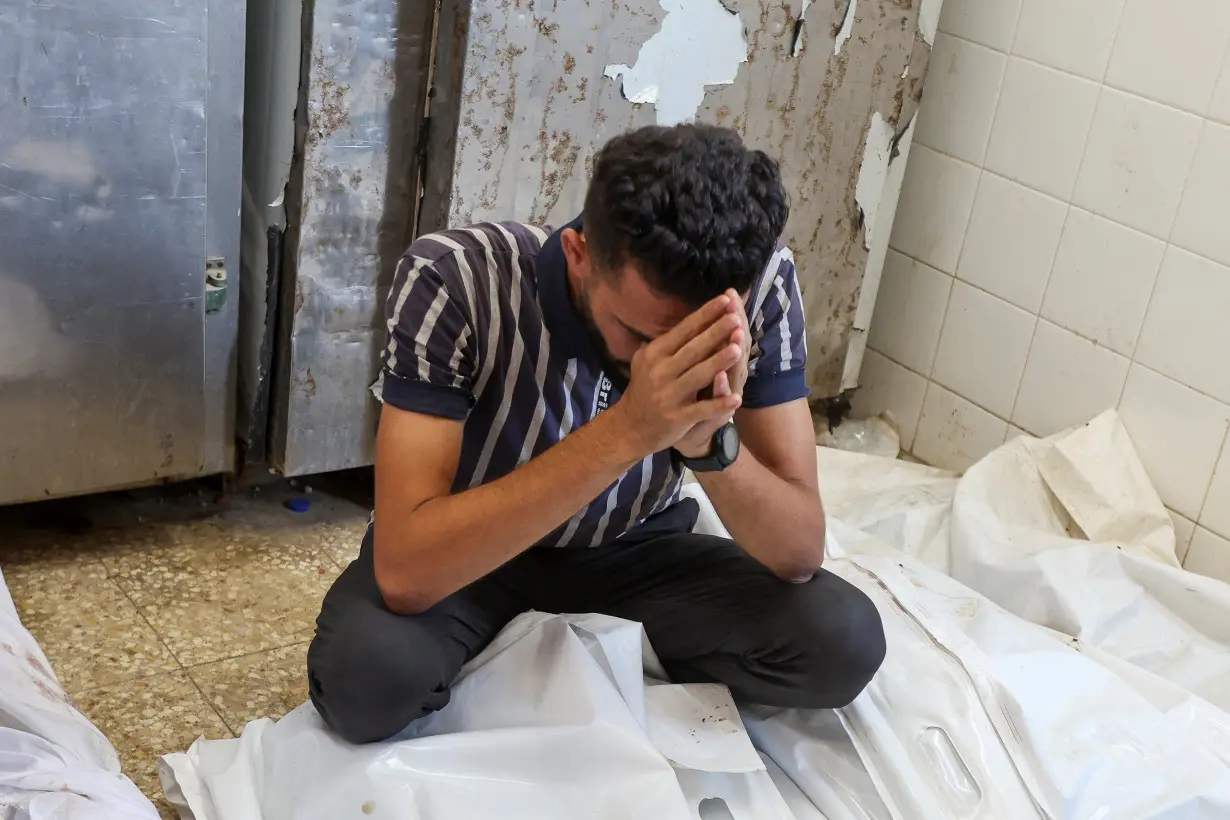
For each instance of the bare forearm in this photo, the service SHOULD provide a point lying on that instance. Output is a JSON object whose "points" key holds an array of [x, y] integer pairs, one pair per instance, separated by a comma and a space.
{"points": [[778, 522], [446, 543]]}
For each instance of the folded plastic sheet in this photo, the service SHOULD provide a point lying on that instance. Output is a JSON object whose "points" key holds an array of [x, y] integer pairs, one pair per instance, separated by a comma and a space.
{"points": [[1047, 657], [53, 763]]}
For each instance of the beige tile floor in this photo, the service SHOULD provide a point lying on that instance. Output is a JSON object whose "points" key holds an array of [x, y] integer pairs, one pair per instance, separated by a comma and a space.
{"points": [[174, 614]]}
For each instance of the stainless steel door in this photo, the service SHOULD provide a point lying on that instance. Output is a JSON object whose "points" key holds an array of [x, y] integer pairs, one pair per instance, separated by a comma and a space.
{"points": [[102, 244]]}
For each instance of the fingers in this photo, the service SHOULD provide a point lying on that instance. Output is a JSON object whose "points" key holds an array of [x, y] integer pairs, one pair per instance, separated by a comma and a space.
{"points": [[696, 322], [714, 409], [703, 345], [705, 372]]}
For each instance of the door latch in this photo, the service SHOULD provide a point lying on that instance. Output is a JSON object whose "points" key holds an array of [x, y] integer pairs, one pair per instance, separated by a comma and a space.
{"points": [[215, 284]]}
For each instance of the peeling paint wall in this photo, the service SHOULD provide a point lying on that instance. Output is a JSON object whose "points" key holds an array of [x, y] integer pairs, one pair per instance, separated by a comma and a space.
{"points": [[524, 96]]}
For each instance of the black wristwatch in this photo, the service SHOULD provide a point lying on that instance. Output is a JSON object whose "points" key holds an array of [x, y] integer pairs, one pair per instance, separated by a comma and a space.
{"points": [[722, 453]]}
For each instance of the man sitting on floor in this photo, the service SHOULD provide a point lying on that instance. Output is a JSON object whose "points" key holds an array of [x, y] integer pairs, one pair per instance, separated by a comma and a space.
{"points": [[543, 394]]}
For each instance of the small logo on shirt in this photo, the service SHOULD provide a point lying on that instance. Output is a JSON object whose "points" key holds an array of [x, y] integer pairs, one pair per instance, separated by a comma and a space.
{"points": [[604, 394]]}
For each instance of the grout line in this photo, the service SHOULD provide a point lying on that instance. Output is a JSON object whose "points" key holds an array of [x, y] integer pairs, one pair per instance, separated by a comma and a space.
{"points": [[931, 382], [209, 702], [175, 657], [1114, 41], [1063, 200], [1204, 502], [1099, 81], [251, 654]]}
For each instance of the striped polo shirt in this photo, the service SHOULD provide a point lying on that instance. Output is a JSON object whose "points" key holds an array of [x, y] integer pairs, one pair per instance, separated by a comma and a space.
{"points": [[483, 329]]}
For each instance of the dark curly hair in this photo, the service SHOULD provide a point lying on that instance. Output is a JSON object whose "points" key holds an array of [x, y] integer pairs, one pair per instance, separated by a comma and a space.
{"points": [[690, 206]]}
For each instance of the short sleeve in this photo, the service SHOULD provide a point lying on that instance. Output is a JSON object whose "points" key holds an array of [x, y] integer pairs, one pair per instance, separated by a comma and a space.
{"points": [[429, 361], [778, 367]]}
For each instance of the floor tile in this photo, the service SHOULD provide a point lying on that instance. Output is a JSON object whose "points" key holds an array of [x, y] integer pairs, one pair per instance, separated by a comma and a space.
{"points": [[215, 590], [89, 630], [339, 541], [148, 718], [267, 684]]}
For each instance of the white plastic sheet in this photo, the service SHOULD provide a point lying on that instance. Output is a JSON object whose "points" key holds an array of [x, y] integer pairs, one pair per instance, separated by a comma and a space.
{"points": [[1047, 657], [53, 763]]}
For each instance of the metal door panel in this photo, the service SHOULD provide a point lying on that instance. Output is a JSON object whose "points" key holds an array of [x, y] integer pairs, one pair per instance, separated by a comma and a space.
{"points": [[366, 88], [102, 244], [224, 174]]}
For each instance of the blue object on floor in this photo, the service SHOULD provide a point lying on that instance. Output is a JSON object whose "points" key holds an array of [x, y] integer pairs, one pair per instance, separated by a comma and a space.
{"points": [[299, 505]]}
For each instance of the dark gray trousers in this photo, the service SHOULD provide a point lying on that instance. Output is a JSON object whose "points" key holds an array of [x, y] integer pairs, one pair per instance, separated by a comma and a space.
{"points": [[712, 613]]}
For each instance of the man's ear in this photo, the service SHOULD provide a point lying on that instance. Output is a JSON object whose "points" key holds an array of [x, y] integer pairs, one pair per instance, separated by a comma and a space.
{"points": [[576, 251]]}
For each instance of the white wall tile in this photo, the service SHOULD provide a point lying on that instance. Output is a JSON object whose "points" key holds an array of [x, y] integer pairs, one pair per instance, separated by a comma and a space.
{"points": [[885, 385], [1102, 279], [909, 311], [1068, 380], [961, 90], [1216, 512], [1011, 241], [1186, 334], [983, 21], [1219, 108], [1170, 50], [936, 199], [1136, 162], [1071, 35], [1203, 224], [982, 348], [953, 433], [1184, 528], [1177, 433], [1208, 555], [1015, 432], [1040, 127]]}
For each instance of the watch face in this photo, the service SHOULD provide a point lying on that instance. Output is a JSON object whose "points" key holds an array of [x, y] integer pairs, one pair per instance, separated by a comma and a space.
{"points": [[729, 443]]}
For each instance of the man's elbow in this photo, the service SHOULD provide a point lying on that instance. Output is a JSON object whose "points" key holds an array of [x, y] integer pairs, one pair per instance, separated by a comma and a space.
{"points": [[404, 599], [805, 560], [404, 593]]}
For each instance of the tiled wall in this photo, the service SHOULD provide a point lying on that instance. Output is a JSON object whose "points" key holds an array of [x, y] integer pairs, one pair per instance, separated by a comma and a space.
{"points": [[1062, 244]]}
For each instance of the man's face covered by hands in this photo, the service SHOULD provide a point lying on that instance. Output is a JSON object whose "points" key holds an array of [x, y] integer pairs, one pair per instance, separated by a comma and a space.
{"points": [[623, 313]]}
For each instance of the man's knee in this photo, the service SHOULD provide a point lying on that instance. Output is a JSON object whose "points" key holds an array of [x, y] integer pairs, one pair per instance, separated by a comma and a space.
{"points": [[368, 682], [838, 641]]}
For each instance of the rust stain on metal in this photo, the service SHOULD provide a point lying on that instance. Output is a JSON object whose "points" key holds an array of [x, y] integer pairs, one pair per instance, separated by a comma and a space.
{"points": [[332, 114], [546, 28]]}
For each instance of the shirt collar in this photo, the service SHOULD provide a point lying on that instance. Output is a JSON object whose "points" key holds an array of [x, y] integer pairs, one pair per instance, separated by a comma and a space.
{"points": [[568, 332]]}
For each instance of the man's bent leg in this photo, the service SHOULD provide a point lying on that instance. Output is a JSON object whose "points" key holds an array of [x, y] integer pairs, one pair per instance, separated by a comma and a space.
{"points": [[371, 672], [714, 613]]}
